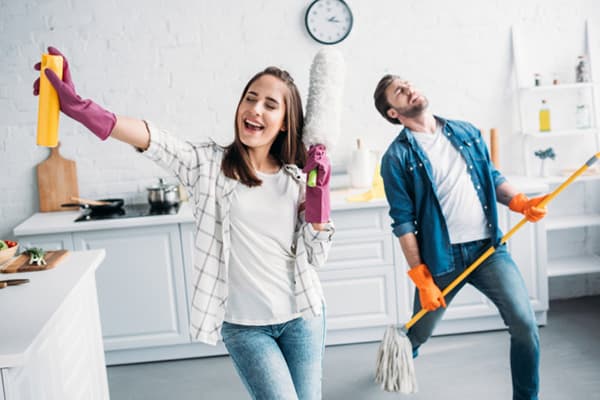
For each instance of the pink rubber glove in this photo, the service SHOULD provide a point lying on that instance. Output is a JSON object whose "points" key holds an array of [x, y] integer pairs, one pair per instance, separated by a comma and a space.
{"points": [[317, 205], [98, 120]]}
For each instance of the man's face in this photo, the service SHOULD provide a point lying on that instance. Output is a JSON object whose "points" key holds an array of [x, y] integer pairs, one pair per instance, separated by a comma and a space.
{"points": [[405, 101]]}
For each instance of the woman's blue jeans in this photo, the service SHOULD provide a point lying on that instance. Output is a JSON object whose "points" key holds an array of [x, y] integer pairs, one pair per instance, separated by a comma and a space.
{"points": [[282, 361], [499, 279]]}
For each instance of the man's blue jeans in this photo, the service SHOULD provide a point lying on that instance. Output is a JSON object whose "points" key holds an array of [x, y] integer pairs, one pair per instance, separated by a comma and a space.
{"points": [[500, 280], [282, 361]]}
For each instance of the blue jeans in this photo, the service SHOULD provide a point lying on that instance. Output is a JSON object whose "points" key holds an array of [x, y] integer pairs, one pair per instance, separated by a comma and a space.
{"points": [[282, 361], [500, 280]]}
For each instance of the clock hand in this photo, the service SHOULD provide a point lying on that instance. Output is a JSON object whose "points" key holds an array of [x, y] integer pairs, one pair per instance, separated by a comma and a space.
{"points": [[332, 19]]}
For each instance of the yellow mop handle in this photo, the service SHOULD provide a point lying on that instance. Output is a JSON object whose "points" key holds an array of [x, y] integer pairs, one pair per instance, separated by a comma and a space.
{"points": [[505, 238]]}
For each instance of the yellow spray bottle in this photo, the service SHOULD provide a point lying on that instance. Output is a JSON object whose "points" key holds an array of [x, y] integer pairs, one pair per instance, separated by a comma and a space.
{"points": [[48, 107]]}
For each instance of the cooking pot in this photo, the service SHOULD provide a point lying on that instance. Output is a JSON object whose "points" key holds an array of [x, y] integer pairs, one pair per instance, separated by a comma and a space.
{"points": [[163, 195], [108, 206]]}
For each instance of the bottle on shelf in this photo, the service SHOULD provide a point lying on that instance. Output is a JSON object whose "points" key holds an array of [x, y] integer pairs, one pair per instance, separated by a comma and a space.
{"points": [[582, 111], [581, 70], [582, 116], [555, 79], [544, 117], [537, 79]]}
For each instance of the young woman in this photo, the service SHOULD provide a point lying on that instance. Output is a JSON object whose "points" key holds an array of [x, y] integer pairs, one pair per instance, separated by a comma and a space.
{"points": [[255, 254]]}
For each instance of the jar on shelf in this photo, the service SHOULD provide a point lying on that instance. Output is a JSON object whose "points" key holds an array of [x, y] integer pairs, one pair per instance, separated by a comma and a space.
{"points": [[544, 117], [581, 70]]}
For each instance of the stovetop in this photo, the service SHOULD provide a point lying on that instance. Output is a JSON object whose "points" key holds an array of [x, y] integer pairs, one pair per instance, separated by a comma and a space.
{"points": [[128, 211]]}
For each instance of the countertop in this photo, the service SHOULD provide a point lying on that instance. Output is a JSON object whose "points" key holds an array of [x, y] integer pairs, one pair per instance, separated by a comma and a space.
{"points": [[63, 221], [28, 308]]}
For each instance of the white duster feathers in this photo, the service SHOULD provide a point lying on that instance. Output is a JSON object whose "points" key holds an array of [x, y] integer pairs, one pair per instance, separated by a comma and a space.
{"points": [[324, 104]]}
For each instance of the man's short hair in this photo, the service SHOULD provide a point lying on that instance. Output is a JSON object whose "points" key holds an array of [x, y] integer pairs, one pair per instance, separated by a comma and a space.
{"points": [[381, 103]]}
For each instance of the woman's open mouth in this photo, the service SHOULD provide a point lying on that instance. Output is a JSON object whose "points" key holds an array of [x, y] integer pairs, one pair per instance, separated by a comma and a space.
{"points": [[253, 126]]}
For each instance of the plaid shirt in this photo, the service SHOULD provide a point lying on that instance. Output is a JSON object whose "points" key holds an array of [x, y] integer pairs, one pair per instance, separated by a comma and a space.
{"points": [[198, 168]]}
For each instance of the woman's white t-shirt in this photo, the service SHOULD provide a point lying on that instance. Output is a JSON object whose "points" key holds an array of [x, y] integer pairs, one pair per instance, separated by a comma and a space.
{"points": [[261, 263]]}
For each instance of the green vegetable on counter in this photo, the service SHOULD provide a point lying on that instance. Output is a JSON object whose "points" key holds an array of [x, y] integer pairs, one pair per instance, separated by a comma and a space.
{"points": [[36, 255]]}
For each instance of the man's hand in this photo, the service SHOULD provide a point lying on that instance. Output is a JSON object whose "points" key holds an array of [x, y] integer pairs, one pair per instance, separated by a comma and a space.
{"points": [[528, 207], [429, 294]]}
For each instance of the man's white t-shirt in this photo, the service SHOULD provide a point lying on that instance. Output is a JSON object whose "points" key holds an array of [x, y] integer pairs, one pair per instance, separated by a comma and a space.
{"points": [[456, 193], [261, 263]]}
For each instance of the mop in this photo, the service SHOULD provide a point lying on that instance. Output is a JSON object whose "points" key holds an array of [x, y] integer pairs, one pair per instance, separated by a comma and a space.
{"points": [[395, 368], [324, 103]]}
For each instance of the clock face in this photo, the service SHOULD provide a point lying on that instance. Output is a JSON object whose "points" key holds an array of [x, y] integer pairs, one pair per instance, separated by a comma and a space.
{"points": [[328, 21]]}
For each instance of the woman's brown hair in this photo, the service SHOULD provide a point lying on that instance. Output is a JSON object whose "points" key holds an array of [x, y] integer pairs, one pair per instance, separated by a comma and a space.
{"points": [[287, 147]]}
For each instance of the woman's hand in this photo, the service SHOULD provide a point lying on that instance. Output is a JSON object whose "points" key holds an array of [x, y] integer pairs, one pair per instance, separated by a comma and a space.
{"points": [[98, 120], [318, 207]]}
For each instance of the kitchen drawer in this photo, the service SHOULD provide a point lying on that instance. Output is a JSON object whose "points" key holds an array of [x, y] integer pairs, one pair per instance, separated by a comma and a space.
{"points": [[361, 222], [62, 241], [360, 252], [359, 299]]}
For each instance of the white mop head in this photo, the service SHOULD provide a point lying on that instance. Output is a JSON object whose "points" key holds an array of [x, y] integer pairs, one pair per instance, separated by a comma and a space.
{"points": [[324, 104], [395, 367]]}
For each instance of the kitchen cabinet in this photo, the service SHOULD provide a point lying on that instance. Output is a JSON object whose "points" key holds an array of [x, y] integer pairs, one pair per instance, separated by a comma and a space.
{"points": [[573, 227], [141, 287], [359, 279], [50, 341]]}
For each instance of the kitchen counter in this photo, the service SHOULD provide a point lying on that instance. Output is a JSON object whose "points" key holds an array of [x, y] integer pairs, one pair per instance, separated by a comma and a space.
{"points": [[50, 338], [28, 308], [63, 221]]}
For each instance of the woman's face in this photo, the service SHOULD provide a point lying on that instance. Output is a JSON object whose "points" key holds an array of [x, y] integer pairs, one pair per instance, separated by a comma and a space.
{"points": [[261, 113]]}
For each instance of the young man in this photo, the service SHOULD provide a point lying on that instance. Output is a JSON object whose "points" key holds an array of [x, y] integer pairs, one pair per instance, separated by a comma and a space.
{"points": [[442, 190]]}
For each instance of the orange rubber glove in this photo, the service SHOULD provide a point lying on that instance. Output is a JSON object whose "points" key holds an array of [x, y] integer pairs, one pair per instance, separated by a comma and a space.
{"points": [[528, 207], [429, 294]]}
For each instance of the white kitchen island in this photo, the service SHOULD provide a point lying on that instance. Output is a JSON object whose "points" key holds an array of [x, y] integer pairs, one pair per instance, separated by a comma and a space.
{"points": [[50, 337]]}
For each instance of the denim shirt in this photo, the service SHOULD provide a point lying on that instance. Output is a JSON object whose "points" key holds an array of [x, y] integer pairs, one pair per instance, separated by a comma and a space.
{"points": [[412, 193]]}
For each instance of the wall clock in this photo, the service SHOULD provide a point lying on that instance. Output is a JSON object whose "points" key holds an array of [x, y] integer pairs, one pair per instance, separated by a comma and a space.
{"points": [[328, 21]]}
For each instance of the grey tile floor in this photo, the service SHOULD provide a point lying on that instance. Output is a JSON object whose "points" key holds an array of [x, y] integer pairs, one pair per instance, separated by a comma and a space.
{"points": [[469, 366]]}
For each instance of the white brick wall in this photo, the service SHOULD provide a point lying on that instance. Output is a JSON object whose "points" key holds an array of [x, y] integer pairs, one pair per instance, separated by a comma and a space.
{"points": [[183, 64]]}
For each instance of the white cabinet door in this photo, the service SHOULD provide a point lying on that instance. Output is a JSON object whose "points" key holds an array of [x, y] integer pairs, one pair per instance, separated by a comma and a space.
{"points": [[528, 249], [141, 287], [359, 279]]}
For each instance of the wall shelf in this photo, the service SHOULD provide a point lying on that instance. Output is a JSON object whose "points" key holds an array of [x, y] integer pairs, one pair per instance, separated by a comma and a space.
{"points": [[560, 133], [558, 179], [572, 146], [573, 265], [562, 86], [572, 221]]}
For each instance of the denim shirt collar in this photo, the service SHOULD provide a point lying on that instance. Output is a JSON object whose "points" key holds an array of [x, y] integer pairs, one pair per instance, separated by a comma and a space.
{"points": [[406, 134]]}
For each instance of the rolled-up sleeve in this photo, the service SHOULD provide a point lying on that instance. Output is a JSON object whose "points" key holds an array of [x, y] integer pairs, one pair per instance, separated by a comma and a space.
{"points": [[317, 243], [185, 159], [400, 202]]}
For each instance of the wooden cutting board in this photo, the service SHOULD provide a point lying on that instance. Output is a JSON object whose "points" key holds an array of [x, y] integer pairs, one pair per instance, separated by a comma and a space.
{"points": [[57, 182], [21, 263]]}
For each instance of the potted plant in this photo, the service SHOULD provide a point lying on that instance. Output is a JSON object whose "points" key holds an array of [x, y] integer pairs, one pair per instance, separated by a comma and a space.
{"points": [[544, 155]]}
